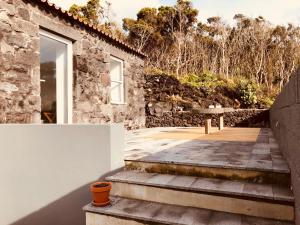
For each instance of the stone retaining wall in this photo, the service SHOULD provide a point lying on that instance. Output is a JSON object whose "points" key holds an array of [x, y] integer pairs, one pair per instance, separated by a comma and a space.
{"points": [[285, 122], [238, 118]]}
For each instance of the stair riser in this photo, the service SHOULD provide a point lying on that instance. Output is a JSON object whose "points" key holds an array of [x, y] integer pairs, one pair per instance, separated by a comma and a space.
{"points": [[201, 200], [264, 177], [100, 219]]}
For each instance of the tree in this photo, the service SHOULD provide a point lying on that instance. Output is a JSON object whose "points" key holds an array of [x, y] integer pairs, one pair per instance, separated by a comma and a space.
{"points": [[166, 28], [99, 15], [91, 12]]}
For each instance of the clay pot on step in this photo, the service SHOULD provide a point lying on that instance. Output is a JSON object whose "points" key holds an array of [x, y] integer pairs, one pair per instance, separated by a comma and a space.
{"points": [[100, 192]]}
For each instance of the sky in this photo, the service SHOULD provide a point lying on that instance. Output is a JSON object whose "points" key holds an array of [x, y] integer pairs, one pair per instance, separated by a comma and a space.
{"points": [[276, 11]]}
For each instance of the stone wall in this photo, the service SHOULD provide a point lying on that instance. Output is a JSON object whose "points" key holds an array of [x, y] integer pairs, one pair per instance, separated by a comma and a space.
{"points": [[285, 122], [20, 22], [170, 103], [238, 118]]}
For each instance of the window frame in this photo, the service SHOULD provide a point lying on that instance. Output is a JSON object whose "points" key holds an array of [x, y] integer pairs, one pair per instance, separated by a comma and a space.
{"points": [[60, 80], [122, 82]]}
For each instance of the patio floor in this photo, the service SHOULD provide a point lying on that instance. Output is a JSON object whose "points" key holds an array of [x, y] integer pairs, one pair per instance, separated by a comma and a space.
{"points": [[238, 148]]}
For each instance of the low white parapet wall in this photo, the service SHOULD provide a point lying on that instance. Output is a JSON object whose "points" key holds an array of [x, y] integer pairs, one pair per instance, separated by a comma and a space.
{"points": [[45, 170]]}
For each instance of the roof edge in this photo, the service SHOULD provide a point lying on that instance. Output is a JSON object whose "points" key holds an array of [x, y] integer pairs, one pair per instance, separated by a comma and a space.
{"points": [[95, 29]]}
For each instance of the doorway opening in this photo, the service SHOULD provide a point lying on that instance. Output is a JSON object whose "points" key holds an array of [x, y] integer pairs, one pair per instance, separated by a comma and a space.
{"points": [[56, 78]]}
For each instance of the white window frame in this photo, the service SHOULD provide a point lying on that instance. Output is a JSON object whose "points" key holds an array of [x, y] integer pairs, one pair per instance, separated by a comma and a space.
{"points": [[122, 102], [60, 81]]}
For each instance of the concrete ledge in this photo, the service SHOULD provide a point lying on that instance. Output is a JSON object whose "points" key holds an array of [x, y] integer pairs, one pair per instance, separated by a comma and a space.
{"points": [[228, 204], [125, 211], [236, 189], [261, 176]]}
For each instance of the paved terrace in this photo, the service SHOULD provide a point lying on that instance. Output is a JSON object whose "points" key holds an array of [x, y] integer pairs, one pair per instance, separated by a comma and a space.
{"points": [[238, 148], [236, 176]]}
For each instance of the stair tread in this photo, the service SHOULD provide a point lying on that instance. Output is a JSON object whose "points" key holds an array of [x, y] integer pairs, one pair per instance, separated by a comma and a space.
{"points": [[208, 185], [133, 209], [278, 166]]}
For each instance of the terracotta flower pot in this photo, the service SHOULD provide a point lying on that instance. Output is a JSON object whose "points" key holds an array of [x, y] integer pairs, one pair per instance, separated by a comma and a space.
{"points": [[100, 191]]}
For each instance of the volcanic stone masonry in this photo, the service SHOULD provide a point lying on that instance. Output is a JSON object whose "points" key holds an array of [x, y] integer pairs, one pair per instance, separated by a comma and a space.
{"points": [[172, 104], [20, 102]]}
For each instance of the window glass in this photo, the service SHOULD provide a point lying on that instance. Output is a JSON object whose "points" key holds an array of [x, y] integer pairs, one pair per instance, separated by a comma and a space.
{"points": [[115, 69], [52, 65], [117, 81]]}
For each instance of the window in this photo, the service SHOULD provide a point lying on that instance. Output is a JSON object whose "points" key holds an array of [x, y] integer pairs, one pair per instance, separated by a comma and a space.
{"points": [[117, 81], [56, 78]]}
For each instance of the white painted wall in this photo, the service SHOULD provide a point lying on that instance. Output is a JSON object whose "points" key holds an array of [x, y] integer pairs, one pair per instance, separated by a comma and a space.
{"points": [[46, 169]]}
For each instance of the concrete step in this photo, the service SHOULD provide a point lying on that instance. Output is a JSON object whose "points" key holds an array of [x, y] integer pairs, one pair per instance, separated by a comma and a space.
{"points": [[261, 200], [252, 173], [123, 211]]}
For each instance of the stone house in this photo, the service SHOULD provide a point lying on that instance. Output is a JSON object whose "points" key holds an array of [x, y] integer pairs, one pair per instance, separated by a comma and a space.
{"points": [[55, 68]]}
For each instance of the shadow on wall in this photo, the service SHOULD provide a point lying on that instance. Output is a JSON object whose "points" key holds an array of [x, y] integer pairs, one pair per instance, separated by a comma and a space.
{"points": [[259, 119], [66, 210]]}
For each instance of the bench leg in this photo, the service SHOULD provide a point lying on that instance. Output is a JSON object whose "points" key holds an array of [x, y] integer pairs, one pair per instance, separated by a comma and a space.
{"points": [[221, 122], [207, 126]]}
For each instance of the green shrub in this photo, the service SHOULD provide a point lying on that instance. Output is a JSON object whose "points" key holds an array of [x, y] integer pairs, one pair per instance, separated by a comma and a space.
{"points": [[190, 79], [246, 90], [266, 97], [266, 102], [207, 81]]}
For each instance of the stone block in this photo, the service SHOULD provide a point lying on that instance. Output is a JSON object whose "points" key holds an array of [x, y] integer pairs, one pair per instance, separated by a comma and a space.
{"points": [[4, 27], [18, 118], [34, 43], [26, 27], [5, 48], [106, 57], [77, 48], [24, 13], [80, 63], [27, 57], [85, 106], [105, 79], [18, 40], [8, 87], [6, 60], [59, 27], [36, 118], [85, 44], [4, 17], [9, 8]]}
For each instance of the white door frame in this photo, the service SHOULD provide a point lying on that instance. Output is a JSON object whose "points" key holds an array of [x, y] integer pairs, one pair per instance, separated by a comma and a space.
{"points": [[62, 82]]}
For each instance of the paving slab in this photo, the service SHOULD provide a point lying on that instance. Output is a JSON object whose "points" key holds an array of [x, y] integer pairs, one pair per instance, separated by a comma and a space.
{"points": [[237, 148]]}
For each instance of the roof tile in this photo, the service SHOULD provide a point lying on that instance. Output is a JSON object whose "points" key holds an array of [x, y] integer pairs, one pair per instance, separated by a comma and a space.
{"points": [[91, 26]]}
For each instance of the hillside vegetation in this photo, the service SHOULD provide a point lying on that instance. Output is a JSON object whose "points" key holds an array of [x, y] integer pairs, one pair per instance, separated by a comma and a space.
{"points": [[249, 61], [194, 91]]}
